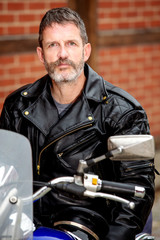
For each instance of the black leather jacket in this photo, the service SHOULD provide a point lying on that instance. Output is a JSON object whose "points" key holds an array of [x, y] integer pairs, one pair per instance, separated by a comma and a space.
{"points": [[58, 143]]}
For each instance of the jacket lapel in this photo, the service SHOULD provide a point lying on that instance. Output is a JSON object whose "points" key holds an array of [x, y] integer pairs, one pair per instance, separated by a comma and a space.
{"points": [[43, 113]]}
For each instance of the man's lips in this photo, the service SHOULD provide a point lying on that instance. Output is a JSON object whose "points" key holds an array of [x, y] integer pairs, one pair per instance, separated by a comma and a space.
{"points": [[63, 65]]}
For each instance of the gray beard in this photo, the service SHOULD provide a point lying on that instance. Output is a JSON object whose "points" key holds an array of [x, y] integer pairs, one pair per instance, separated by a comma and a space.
{"points": [[62, 77]]}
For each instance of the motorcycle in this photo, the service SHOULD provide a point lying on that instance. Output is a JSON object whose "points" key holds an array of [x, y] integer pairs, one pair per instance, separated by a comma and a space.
{"points": [[16, 187]]}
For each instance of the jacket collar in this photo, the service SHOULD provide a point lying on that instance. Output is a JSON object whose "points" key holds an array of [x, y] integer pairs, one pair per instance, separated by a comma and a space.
{"points": [[42, 112], [94, 87], [37, 88]]}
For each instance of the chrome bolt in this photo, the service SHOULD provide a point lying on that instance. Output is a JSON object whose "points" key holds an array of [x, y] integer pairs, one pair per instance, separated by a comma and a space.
{"points": [[13, 199]]}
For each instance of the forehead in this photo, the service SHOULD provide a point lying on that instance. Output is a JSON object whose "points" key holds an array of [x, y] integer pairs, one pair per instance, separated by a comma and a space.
{"points": [[66, 31]]}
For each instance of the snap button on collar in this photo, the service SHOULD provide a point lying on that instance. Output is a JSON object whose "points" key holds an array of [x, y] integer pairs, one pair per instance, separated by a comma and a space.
{"points": [[26, 113], [90, 118], [25, 93]]}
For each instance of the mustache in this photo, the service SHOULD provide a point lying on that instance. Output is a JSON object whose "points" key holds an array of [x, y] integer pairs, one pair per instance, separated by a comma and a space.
{"points": [[62, 61]]}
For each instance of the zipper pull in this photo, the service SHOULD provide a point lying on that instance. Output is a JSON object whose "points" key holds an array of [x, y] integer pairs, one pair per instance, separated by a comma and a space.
{"points": [[60, 154]]}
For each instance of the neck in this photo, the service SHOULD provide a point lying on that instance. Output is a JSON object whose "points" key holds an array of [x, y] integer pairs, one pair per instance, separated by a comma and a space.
{"points": [[68, 92]]}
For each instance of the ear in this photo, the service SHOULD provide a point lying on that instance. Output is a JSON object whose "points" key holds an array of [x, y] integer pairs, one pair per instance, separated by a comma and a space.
{"points": [[40, 54], [87, 51]]}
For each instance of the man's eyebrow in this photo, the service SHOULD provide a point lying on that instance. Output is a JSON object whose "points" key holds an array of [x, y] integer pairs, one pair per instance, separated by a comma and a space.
{"points": [[72, 40], [49, 42]]}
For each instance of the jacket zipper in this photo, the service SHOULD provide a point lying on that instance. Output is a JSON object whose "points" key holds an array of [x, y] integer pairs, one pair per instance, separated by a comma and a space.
{"points": [[40, 154], [133, 167], [67, 150]]}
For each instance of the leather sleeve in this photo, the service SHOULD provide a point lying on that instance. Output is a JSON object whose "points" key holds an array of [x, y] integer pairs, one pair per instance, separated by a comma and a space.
{"points": [[126, 223], [5, 122]]}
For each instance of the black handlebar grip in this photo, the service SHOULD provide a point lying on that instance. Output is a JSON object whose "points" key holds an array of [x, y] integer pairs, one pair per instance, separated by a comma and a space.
{"points": [[71, 188], [118, 188]]}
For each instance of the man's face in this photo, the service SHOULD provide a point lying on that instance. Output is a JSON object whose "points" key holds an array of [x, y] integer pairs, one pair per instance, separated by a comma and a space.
{"points": [[63, 53]]}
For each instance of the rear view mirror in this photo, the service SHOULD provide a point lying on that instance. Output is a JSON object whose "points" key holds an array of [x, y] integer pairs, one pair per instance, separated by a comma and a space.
{"points": [[132, 147]]}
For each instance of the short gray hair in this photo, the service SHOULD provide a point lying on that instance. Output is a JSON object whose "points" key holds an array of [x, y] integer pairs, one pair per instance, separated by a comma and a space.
{"points": [[62, 16]]}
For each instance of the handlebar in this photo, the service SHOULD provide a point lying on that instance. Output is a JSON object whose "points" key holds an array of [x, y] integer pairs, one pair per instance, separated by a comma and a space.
{"points": [[122, 188], [92, 187], [83, 184], [44, 190]]}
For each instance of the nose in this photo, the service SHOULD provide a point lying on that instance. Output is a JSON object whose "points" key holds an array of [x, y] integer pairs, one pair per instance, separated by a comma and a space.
{"points": [[63, 53]]}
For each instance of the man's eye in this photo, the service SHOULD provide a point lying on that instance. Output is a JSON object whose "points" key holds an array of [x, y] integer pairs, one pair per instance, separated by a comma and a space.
{"points": [[72, 43], [52, 45]]}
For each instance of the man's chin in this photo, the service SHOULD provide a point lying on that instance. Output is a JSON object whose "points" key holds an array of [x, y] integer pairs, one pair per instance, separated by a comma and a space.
{"points": [[65, 80], [62, 78], [65, 76]]}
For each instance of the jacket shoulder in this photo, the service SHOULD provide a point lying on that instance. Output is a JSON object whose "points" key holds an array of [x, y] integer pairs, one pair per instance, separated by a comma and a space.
{"points": [[15, 96], [119, 92], [17, 91]]}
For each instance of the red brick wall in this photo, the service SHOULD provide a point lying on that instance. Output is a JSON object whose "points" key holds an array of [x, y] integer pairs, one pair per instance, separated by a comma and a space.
{"points": [[17, 70], [23, 17], [128, 14], [135, 68], [19, 18]]}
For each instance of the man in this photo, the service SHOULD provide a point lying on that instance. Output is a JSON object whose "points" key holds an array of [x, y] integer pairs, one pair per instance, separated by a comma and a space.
{"points": [[68, 115]]}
